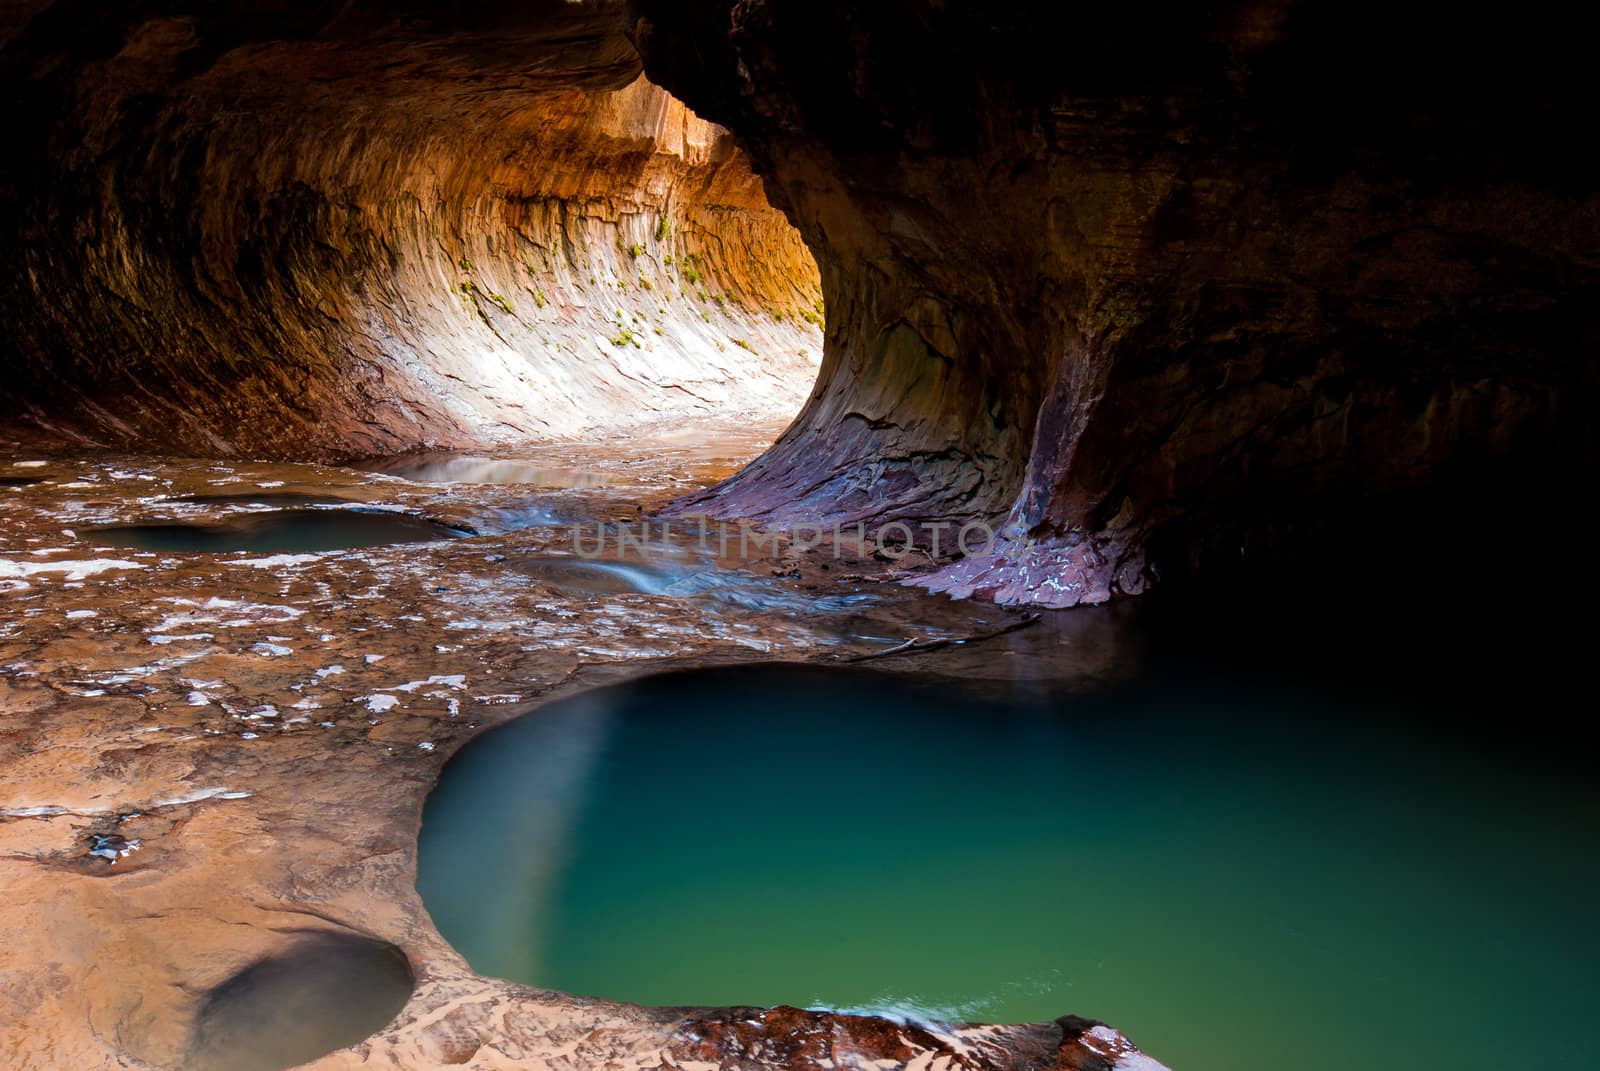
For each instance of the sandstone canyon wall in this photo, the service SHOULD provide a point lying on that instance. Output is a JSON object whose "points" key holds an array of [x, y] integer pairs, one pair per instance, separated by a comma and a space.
{"points": [[314, 230], [1104, 270], [1110, 278]]}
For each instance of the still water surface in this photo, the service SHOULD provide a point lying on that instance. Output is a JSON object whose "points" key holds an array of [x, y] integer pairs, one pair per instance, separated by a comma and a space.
{"points": [[1238, 879], [295, 531]]}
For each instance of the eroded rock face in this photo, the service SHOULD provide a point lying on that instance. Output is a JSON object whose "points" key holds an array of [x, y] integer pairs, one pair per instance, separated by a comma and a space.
{"points": [[1088, 273], [347, 229], [1098, 271]]}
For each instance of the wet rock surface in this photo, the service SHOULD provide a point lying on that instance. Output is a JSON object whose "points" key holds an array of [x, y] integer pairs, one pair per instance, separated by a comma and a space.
{"points": [[252, 737]]}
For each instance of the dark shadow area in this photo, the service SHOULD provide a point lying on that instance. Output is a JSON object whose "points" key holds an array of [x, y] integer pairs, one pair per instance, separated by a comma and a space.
{"points": [[324, 992], [1465, 603]]}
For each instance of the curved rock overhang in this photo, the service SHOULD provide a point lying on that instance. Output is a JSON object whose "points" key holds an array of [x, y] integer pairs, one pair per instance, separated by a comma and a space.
{"points": [[1099, 271], [313, 230], [1090, 274]]}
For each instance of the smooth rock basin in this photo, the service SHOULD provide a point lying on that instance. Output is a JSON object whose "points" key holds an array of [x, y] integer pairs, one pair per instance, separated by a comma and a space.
{"points": [[1240, 879], [323, 992], [293, 531]]}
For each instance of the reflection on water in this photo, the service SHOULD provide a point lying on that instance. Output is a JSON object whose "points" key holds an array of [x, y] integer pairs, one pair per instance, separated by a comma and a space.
{"points": [[279, 531], [1239, 878], [325, 992], [454, 468]]}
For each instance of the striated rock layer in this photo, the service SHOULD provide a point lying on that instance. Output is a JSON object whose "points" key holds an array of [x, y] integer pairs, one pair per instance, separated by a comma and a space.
{"points": [[1097, 273], [330, 231]]}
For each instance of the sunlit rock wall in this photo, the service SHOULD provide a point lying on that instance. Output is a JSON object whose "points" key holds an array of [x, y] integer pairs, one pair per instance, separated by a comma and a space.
{"points": [[330, 231]]}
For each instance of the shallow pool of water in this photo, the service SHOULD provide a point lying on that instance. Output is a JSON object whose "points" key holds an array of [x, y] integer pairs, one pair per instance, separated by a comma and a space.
{"points": [[1236, 879], [292, 531]]}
